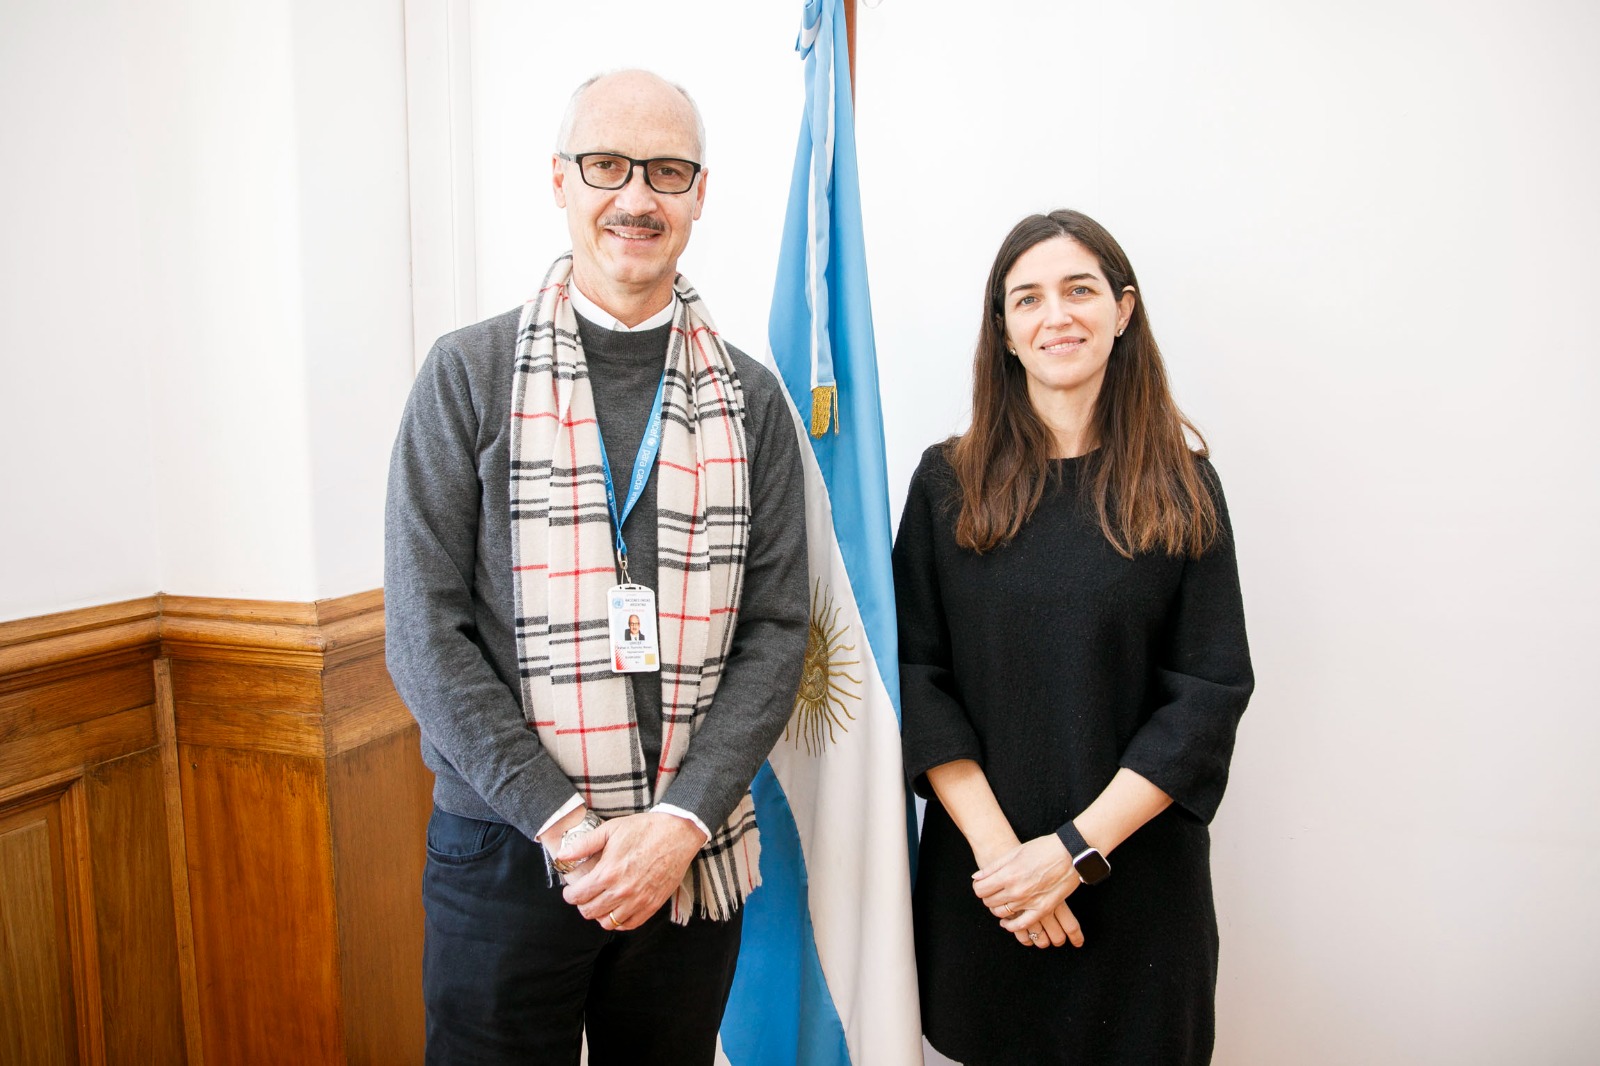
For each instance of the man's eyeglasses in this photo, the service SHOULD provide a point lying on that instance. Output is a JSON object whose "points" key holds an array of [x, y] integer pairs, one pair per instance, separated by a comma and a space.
{"points": [[607, 170]]}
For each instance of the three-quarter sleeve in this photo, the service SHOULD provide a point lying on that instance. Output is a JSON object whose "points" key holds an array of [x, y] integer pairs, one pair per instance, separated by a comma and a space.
{"points": [[935, 728], [1203, 680]]}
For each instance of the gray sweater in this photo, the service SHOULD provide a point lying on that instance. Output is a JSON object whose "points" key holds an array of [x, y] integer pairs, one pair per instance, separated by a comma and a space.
{"points": [[448, 591]]}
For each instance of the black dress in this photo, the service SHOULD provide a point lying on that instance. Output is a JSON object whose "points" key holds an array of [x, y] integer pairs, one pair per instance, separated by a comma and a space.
{"points": [[1053, 661]]}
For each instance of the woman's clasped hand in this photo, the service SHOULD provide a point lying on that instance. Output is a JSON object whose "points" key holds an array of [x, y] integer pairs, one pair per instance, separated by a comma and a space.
{"points": [[1027, 889]]}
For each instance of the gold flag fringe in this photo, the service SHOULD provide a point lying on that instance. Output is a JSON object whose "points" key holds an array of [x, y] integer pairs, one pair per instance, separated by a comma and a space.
{"points": [[824, 407]]}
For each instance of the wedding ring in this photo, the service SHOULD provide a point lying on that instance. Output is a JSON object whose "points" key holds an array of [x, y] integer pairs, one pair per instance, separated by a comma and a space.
{"points": [[1010, 910], [614, 923], [1033, 937]]}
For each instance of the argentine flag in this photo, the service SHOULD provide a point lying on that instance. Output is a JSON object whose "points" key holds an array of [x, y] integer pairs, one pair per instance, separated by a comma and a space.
{"points": [[827, 974]]}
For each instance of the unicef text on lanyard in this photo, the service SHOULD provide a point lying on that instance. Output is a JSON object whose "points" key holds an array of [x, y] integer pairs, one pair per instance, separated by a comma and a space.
{"points": [[635, 645]]}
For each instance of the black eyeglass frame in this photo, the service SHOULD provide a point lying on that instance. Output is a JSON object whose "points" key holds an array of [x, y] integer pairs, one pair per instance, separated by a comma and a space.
{"points": [[644, 164]]}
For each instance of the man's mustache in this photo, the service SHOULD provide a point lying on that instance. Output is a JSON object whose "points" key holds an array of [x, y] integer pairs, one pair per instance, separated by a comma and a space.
{"points": [[622, 218]]}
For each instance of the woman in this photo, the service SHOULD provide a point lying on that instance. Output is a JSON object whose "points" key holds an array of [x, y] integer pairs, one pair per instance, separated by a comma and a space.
{"points": [[1073, 668]]}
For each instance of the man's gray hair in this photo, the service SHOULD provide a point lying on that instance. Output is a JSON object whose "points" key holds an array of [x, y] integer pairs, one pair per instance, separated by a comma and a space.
{"points": [[569, 118]]}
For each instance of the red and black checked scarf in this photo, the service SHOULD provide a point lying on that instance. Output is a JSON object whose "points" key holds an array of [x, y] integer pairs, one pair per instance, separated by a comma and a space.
{"points": [[565, 564]]}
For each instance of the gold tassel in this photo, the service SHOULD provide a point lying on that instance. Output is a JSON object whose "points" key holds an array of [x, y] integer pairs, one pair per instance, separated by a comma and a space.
{"points": [[824, 406]]}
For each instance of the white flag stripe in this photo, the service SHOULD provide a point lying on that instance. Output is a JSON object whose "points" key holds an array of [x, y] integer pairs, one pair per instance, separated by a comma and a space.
{"points": [[850, 811]]}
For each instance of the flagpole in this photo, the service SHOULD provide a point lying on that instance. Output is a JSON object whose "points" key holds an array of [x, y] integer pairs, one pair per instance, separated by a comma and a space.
{"points": [[850, 43]]}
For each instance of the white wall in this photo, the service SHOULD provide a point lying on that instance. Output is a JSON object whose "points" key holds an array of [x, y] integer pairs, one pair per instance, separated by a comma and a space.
{"points": [[212, 92], [77, 513], [206, 309], [355, 280], [1365, 234]]}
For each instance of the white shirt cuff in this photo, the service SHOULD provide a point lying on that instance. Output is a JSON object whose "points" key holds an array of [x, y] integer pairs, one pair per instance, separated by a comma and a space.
{"points": [[561, 812], [679, 812]]}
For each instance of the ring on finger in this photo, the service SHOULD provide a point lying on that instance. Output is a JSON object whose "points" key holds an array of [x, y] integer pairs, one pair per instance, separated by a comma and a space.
{"points": [[1010, 910], [1033, 937], [614, 923]]}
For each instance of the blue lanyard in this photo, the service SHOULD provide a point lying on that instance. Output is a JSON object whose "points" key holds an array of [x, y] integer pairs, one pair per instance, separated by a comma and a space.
{"points": [[643, 463]]}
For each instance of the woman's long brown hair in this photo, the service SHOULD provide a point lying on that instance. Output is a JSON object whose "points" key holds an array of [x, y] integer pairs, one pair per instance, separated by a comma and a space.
{"points": [[1144, 484]]}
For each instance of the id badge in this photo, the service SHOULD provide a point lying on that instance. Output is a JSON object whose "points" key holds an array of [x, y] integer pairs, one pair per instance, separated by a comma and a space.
{"points": [[635, 647]]}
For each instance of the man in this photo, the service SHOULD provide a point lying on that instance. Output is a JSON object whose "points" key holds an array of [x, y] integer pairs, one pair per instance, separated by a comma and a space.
{"points": [[512, 555]]}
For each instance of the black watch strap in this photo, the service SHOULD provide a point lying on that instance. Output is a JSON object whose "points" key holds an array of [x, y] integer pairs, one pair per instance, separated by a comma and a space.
{"points": [[1092, 866], [1073, 839]]}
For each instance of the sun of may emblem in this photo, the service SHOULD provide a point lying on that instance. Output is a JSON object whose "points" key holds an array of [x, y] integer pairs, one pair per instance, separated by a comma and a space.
{"points": [[819, 708]]}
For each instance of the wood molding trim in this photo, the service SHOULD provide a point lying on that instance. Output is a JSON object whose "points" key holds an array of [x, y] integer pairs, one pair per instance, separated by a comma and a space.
{"points": [[300, 679], [81, 924], [295, 678], [334, 628], [325, 632], [75, 639], [178, 863]]}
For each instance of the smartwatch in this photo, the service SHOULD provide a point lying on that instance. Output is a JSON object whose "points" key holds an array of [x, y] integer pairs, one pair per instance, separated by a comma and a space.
{"points": [[1092, 866]]}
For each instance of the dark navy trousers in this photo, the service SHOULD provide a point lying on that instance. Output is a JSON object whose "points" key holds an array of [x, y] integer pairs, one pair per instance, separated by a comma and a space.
{"points": [[512, 973]]}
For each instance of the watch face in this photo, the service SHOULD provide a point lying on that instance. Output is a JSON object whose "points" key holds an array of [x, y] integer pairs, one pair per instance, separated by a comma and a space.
{"points": [[1092, 866]]}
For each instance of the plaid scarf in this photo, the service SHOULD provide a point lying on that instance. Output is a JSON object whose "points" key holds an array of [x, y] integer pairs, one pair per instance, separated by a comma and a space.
{"points": [[564, 564]]}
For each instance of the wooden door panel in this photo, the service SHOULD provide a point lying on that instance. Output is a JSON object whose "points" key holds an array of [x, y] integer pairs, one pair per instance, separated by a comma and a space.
{"points": [[37, 1019]]}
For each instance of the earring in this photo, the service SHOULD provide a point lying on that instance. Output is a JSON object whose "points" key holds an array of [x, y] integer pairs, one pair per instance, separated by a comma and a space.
{"points": [[1119, 332], [1011, 351]]}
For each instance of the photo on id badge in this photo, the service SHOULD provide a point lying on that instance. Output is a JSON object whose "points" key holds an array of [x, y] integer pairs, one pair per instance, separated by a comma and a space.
{"points": [[634, 647]]}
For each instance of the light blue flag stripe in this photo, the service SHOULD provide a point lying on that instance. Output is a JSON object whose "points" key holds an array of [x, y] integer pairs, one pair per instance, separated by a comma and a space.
{"points": [[780, 1009], [852, 461]]}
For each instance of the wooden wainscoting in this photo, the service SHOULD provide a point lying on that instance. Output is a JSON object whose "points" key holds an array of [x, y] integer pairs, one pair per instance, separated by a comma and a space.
{"points": [[211, 824], [88, 941], [305, 803]]}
